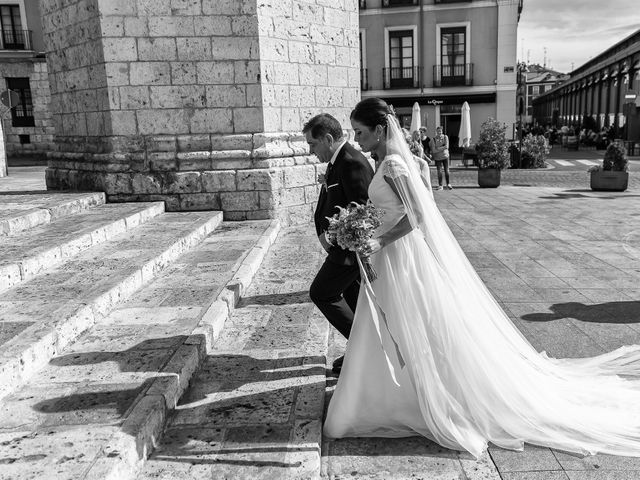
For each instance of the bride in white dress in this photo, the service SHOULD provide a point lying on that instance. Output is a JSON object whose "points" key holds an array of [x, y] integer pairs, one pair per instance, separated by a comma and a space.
{"points": [[432, 353]]}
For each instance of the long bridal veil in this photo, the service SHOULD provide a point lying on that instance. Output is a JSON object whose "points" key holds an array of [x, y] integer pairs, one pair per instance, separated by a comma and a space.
{"points": [[478, 379]]}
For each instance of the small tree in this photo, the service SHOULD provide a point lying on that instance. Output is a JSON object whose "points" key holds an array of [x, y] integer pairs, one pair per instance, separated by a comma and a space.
{"points": [[492, 147], [615, 158], [535, 149]]}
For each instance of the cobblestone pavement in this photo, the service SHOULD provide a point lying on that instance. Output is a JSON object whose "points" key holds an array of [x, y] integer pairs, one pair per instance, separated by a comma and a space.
{"points": [[566, 270], [563, 261], [565, 265], [578, 179]]}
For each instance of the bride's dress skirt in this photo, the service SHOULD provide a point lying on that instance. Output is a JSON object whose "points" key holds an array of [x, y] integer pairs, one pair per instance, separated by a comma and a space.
{"points": [[470, 376]]}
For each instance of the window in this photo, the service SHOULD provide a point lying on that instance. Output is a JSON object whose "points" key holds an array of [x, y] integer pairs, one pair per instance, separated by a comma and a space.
{"points": [[453, 43], [535, 90], [401, 72], [364, 76], [13, 36], [22, 113]]}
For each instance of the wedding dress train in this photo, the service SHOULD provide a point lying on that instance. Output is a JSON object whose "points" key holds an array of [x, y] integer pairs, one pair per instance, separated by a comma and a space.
{"points": [[432, 353]]}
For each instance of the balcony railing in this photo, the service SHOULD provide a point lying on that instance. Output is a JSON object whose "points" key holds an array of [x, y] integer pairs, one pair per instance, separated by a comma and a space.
{"points": [[401, 77], [399, 3], [16, 40], [453, 75], [364, 79]]}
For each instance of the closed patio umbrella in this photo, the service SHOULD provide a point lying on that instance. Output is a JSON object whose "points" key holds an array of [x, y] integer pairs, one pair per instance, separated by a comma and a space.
{"points": [[464, 138], [416, 123]]}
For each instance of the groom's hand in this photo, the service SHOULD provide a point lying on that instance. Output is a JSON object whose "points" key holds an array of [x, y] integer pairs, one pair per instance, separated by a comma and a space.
{"points": [[323, 241]]}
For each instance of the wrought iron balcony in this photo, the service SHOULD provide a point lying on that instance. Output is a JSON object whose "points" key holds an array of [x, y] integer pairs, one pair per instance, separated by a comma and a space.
{"points": [[399, 3], [16, 40], [364, 79], [401, 77], [453, 75]]}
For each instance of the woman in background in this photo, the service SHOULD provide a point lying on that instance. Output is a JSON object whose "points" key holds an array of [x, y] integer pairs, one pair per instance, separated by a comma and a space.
{"points": [[440, 154]]}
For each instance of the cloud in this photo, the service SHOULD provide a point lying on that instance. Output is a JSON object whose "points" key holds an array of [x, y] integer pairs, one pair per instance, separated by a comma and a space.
{"points": [[573, 31]]}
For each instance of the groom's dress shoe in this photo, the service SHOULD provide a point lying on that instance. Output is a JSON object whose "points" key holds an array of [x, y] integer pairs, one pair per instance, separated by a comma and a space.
{"points": [[337, 364]]}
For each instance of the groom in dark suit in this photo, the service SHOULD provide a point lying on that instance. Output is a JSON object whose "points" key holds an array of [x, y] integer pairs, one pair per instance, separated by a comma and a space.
{"points": [[346, 179]]}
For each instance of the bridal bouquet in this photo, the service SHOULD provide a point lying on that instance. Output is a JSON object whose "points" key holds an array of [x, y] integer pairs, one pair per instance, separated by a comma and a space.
{"points": [[352, 227]]}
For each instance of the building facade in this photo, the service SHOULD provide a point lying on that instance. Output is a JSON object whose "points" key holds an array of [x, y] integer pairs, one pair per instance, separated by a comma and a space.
{"points": [[28, 125], [538, 80], [441, 53], [602, 93]]}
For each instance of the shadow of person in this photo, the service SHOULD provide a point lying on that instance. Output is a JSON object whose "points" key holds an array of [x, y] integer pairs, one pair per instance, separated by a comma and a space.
{"points": [[288, 298], [609, 312], [104, 397], [129, 360], [579, 193], [222, 393], [246, 411]]}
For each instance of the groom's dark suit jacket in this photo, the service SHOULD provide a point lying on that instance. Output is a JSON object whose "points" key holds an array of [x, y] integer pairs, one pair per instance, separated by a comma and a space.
{"points": [[347, 180]]}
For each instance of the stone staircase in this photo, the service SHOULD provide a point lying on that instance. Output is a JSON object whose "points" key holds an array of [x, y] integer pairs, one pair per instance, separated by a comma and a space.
{"points": [[106, 312]]}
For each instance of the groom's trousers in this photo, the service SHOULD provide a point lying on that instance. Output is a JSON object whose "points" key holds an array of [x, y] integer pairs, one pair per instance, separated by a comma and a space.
{"points": [[335, 292]]}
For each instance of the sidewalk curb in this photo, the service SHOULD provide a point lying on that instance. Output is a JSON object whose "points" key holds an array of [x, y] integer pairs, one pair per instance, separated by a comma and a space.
{"points": [[40, 215], [143, 426]]}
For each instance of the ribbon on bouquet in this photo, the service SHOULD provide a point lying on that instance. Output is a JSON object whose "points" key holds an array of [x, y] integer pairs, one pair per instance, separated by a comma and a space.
{"points": [[377, 314]]}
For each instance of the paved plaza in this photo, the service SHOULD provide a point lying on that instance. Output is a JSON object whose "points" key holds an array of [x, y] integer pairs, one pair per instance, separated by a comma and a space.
{"points": [[563, 261]]}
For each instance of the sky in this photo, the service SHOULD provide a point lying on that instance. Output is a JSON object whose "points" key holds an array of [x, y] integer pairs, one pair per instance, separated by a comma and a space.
{"points": [[573, 31]]}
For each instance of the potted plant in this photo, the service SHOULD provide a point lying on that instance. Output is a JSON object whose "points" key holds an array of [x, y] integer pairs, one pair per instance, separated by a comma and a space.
{"points": [[493, 153], [535, 149], [613, 174]]}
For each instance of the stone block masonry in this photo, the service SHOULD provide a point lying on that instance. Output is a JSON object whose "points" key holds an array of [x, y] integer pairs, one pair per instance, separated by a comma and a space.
{"points": [[199, 103], [36, 140]]}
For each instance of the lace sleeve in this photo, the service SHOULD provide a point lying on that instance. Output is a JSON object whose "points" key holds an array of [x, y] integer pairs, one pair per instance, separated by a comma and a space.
{"points": [[394, 167]]}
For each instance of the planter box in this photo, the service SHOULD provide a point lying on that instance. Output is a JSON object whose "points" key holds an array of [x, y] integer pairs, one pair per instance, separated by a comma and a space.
{"points": [[609, 181], [489, 177]]}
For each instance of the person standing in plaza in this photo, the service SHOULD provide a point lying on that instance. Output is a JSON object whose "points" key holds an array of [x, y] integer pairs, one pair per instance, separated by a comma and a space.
{"points": [[426, 144], [335, 288], [440, 155]]}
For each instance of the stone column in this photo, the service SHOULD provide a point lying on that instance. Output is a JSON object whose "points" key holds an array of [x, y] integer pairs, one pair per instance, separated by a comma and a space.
{"points": [[199, 103]]}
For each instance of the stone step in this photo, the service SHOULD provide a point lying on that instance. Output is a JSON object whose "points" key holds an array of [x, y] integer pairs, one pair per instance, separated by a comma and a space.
{"points": [[25, 254], [96, 410], [41, 316], [254, 410], [22, 211]]}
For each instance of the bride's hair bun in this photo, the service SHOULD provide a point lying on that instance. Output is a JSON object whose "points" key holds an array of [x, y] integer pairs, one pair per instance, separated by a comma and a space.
{"points": [[372, 112]]}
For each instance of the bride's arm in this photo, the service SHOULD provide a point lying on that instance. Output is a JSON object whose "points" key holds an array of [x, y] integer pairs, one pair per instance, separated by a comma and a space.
{"points": [[401, 228]]}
